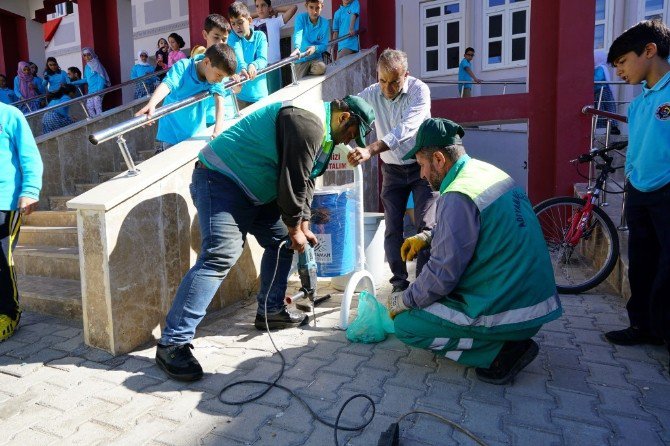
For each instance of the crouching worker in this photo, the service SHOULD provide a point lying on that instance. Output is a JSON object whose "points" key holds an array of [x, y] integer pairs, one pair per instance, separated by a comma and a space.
{"points": [[256, 177], [488, 286]]}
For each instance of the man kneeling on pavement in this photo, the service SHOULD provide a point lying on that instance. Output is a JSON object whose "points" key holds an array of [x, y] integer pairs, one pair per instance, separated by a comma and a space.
{"points": [[488, 286]]}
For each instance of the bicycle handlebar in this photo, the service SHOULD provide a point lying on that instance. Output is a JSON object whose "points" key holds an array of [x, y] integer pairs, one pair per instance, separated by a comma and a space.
{"points": [[588, 157]]}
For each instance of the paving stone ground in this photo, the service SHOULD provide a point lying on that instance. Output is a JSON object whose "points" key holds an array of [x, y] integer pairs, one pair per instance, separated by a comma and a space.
{"points": [[579, 391]]}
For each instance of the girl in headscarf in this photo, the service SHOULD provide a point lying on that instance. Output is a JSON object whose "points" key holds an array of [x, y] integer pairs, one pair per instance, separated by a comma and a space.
{"points": [[26, 86], [54, 77], [97, 79], [176, 43], [60, 117], [142, 68], [605, 100]]}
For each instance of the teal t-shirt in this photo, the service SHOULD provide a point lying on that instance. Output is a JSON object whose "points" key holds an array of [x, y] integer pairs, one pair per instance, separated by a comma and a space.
{"points": [[341, 21], [251, 51], [648, 156], [462, 74], [183, 82], [306, 34]]}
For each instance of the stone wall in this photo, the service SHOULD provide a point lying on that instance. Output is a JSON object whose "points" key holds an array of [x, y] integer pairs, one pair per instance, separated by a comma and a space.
{"points": [[139, 235]]}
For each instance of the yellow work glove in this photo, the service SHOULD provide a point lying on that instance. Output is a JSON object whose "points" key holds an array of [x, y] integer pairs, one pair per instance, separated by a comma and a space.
{"points": [[412, 245], [394, 304]]}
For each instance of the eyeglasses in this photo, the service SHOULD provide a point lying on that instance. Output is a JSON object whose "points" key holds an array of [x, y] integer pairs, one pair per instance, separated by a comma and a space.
{"points": [[470, 54], [361, 123]]}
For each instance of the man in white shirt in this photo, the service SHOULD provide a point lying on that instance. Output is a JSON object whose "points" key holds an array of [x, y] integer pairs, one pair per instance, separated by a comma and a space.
{"points": [[401, 103], [271, 20]]}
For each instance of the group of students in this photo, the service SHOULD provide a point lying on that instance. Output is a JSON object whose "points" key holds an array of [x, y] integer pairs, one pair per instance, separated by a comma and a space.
{"points": [[250, 47]]}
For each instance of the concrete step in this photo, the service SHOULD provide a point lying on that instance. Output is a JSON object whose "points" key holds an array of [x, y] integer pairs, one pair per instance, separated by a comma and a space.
{"points": [[144, 155], [80, 188], [104, 176], [58, 203], [61, 236], [51, 218], [47, 261], [47, 295]]}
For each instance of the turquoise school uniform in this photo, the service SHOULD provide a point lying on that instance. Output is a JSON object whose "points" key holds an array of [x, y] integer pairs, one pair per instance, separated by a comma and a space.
{"points": [[341, 21], [251, 51], [183, 82], [306, 34]]}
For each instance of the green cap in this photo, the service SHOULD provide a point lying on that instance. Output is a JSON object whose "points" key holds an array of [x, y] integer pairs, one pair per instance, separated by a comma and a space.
{"points": [[365, 114], [436, 132]]}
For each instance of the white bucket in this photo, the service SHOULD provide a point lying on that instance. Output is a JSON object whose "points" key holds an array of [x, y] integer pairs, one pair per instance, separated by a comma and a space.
{"points": [[374, 227]]}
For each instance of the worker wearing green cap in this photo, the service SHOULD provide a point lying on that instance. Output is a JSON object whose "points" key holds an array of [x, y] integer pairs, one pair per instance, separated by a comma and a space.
{"points": [[256, 177], [488, 286]]}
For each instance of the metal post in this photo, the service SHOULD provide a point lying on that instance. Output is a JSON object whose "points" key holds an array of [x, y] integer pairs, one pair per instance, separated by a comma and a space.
{"points": [[623, 225], [132, 171], [504, 88], [145, 88], [293, 74], [236, 106]]}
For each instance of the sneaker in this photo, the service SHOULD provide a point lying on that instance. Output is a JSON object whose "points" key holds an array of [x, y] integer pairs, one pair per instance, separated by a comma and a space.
{"points": [[8, 326], [513, 357], [283, 319], [178, 362], [632, 336], [397, 288]]}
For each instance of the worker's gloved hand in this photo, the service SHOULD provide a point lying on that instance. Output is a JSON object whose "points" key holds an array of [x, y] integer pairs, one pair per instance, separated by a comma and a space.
{"points": [[394, 304], [412, 245]]}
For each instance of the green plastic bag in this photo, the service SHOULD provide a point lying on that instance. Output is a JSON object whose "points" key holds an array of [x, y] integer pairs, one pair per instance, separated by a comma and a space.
{"points": [[372, 323]]}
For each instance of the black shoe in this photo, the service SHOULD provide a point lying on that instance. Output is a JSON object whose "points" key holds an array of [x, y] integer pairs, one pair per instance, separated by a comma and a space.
{"points": [[513, 357], [632, 336], [615, 131], [283, 319], [397, 288], [178, 362]]}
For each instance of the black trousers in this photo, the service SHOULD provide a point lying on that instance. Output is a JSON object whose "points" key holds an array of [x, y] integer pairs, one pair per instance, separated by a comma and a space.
{"points": [[648, 216], [10, 223]]}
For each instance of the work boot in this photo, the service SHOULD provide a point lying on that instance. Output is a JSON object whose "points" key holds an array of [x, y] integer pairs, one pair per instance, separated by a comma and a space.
{"points": [[178, 362], [513, 357], [397, 288], [632, 336], [283, 319], [8, 326]]}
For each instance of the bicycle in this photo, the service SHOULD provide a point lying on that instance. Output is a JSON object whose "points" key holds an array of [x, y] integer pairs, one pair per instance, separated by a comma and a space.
{"points": [[582, 240]]}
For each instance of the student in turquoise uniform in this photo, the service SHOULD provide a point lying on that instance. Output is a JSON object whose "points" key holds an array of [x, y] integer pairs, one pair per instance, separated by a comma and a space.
{"points": [[640, 57], [251, 49], [466, 74], [20, 185], [7, 95], [345, 21], [96, 77], [311, 33], [205, 72], [141, 68], [488, 285], [60, 117], [27, 86], [54, 77]]}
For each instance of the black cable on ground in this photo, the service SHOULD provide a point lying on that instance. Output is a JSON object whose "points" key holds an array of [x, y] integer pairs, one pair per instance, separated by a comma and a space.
{"points": [[273, 383]]}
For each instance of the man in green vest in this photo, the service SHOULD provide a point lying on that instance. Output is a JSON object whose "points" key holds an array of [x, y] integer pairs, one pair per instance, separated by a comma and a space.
{"points": [[488, 286], [257, 177]]}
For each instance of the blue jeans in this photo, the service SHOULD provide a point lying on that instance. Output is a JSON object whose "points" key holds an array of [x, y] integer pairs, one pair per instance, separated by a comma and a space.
{"points": [[226, 216]]}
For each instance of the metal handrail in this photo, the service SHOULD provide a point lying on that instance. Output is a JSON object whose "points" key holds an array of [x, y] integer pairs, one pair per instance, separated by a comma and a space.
{"points": [[90, 95], [117, 131], [590, 110], [480, 83]]}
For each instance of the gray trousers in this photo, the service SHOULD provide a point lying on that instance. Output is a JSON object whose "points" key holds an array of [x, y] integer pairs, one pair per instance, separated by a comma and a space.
{"points": [[398, 181]]}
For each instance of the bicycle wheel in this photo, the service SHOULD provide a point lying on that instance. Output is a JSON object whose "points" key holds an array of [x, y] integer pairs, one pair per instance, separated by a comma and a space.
{"points": [[583, 266]]}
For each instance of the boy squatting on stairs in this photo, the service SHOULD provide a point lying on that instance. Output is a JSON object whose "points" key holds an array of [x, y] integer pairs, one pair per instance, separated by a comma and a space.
{"points": [[20, 184]]}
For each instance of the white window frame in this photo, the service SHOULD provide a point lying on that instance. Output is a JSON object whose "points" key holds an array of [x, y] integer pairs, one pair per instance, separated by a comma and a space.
{"points": [[607, 22], [664, 11], [441, 21], [506, 10], [61, 11]]}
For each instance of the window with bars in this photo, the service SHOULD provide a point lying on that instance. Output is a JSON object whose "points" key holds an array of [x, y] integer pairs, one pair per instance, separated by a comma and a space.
{"points": [[506, 24], [603, 27], [442, 31]]}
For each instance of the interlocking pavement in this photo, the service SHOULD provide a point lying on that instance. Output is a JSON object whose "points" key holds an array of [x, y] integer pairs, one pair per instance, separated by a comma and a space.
{"points": [[580, 390]]}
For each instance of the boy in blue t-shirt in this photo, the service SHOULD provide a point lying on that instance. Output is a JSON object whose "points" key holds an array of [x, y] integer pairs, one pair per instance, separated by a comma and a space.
{"points": [[251, 49], [7, 95], [640, 56], [186, 78], [20, 185], [310, 33], [465, 73], [345, 21]]}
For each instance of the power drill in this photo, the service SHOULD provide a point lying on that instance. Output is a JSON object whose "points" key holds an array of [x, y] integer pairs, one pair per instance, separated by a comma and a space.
{"points": [[308, 281]]}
